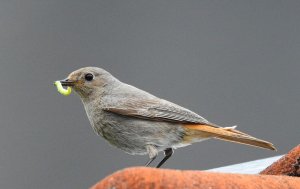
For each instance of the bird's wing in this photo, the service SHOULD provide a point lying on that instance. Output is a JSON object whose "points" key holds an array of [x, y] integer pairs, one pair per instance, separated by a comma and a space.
{"points": [[157, 110]]}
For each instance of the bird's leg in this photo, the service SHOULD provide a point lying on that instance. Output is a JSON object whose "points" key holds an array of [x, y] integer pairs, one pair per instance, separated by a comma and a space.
{"points": [[168, 154], [150, 161], [152, 152]]}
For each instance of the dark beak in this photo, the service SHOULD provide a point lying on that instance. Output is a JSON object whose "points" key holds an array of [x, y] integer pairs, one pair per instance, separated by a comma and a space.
{"points": [[67, 82]]}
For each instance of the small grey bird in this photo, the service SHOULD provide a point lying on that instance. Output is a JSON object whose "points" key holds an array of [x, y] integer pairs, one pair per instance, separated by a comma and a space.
{"points": [[140, 123]]}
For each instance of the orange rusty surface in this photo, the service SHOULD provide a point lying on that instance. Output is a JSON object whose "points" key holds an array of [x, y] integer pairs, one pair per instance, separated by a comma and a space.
{"points": [[151, 178], [285, 165]]}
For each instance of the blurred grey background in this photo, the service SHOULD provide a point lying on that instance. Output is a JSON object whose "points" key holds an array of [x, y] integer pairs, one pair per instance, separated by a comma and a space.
{"points": [[233, 62]]}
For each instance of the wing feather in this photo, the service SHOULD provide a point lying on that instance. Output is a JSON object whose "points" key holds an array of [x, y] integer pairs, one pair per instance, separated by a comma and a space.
{"points": [[155, 109]]}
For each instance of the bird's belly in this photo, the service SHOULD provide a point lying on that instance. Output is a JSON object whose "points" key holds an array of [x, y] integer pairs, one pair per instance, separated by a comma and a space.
{"points": [[132, 135]]}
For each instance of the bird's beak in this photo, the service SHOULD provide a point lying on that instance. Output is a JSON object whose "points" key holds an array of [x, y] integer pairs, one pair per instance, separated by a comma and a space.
{"points": [[67, 82]]}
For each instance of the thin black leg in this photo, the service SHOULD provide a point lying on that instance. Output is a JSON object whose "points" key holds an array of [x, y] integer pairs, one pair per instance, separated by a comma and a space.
{"points": [[168, 154], [150, 160]]}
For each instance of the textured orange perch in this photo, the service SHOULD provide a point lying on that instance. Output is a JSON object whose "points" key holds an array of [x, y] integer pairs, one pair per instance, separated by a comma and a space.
{"points": [[285, 165], [150, 178]]}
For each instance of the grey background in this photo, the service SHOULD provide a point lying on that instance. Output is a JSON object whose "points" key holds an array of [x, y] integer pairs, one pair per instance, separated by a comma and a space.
{"points": [[233, 62]]}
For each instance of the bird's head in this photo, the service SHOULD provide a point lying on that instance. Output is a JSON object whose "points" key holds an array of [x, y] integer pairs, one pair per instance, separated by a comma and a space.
{"points": [[88, 80]]}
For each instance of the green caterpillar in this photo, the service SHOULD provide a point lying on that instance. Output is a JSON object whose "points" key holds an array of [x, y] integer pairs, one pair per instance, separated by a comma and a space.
{"points": [[61, 90]]}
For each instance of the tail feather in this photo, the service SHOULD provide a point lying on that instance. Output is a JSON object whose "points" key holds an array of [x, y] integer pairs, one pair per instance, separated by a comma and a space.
{"points": [[232, 135]]}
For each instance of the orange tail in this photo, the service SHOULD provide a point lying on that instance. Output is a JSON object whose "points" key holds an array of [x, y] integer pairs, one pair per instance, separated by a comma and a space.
{"points": [[230, 134]]}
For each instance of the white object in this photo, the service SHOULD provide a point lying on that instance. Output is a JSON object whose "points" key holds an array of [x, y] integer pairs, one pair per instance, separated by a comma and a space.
{"points": [[251, 167]]}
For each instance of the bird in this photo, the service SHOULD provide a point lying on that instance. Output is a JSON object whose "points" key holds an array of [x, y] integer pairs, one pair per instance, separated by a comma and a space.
{"points": [[140, 123]]}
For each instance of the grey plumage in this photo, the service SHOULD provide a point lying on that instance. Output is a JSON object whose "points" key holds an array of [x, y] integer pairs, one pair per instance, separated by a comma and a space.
{"points": [[122, 119], [140, 123]]}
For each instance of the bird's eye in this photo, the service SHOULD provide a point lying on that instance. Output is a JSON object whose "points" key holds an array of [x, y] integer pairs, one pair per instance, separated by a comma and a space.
{"points": [[89, 77]]}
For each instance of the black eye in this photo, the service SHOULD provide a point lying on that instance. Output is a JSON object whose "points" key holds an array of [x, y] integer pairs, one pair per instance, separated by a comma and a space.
{"points": [[88, 77]]}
